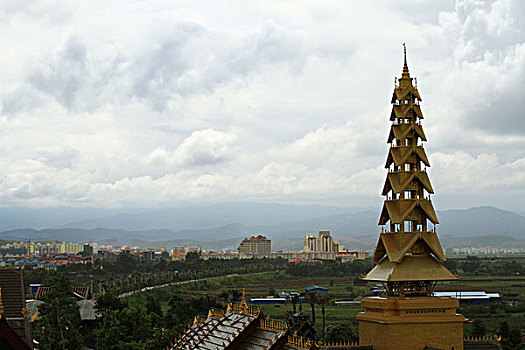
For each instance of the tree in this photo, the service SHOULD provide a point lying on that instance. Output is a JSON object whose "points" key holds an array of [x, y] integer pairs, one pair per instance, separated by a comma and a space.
{"points": [[311, 297], [510, 339], [323, 300], [108, 301], [295, 299], [59, 326], [478, 330], [340, 333]]}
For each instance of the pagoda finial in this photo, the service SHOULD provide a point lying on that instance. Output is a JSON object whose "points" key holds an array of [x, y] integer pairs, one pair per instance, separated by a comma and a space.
{"points": [[243, 302], [405, 66]]}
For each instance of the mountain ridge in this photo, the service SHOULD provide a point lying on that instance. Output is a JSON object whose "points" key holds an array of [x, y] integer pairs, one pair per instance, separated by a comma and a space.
{"points": [[358, 229]]}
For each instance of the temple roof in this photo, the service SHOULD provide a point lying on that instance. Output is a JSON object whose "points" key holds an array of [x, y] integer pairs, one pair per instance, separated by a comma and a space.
{"points": [[240, 327], [412, 268]]}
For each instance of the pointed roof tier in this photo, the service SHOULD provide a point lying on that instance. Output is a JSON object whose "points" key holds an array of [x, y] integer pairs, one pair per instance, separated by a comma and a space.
{"points": [[402, 155], [404, 131], [400, 182], [405, 94], [397, 245], [414, 268], [399, 211], [406, 111]]}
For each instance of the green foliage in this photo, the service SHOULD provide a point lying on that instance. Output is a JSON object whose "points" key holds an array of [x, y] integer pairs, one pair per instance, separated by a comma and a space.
{"points": [[478, 330], [108, 302], [340, 333], [59, 325], [510, 338], [152, 319], [330, 268], [488, 266]]}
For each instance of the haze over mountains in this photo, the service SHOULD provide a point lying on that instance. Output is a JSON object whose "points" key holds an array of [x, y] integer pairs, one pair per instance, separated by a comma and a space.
{"points": [[221, 226]]}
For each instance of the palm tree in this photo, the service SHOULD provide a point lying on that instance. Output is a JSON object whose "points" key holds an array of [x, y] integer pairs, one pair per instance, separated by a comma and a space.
{"points": [[295, 299], [323, 300], [312, 299]]}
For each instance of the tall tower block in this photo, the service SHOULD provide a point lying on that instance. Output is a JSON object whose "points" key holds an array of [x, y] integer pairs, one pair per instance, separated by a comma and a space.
{"points": [[408, 255]]}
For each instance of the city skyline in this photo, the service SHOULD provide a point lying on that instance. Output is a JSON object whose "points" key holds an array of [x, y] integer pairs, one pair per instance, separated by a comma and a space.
{"points": [[125, 105]]}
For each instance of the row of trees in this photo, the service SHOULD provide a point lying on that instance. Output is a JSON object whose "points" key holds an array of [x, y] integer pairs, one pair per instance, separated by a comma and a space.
{"points": [[126, 274], [477, 266]]}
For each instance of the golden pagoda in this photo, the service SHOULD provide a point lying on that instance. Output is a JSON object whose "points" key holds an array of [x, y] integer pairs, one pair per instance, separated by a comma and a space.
{"points": [[408, 255]]}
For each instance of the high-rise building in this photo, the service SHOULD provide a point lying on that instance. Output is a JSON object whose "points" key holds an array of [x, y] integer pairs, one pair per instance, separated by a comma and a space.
{"points": [[408, 255], [255, 245], [322, 244]]}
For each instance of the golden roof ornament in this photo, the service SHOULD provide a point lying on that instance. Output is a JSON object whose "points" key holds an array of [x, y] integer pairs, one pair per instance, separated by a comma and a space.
{"points": [[244, 305]]}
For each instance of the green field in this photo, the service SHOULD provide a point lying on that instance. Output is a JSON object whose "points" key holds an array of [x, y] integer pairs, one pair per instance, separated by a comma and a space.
{"points": [[512, 289]]}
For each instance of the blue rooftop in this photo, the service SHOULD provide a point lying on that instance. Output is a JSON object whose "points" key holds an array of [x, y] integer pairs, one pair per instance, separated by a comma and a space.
{"points": [[308, 289]]}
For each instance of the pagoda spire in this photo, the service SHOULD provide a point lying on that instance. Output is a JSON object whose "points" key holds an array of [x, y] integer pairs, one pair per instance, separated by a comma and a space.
{"points": [[405, 66], [244, 305], [408, 254]]}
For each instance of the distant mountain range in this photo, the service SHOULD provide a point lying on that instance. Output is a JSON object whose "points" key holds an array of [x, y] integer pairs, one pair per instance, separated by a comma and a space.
{"points": [[219, 227]]}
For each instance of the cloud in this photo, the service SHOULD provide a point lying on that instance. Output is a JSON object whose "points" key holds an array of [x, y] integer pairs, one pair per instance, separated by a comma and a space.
{"points": [[201, 148], [489, 61], [126, 105]]}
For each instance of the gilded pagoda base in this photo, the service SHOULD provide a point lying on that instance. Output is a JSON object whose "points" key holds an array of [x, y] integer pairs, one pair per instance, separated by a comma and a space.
{"points": [[410, 323]]}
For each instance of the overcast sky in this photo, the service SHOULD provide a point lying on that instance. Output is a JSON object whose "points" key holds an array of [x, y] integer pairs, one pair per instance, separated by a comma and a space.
{"points": [[158, 103]]}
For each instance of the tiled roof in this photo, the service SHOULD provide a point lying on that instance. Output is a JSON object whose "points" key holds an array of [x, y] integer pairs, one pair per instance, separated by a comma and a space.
{"points": [[13, 297], [234, 329]]}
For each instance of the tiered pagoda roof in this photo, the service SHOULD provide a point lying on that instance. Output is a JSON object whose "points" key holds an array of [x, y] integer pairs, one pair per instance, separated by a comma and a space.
{"points": [[408, 253]]}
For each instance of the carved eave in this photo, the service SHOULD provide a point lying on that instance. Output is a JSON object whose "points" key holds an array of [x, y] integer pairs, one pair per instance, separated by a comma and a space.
{"points": [[413, 268], [402, 210], [406, 181], [404, 155], [402, 131], [411, 111], [396, 245]]}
